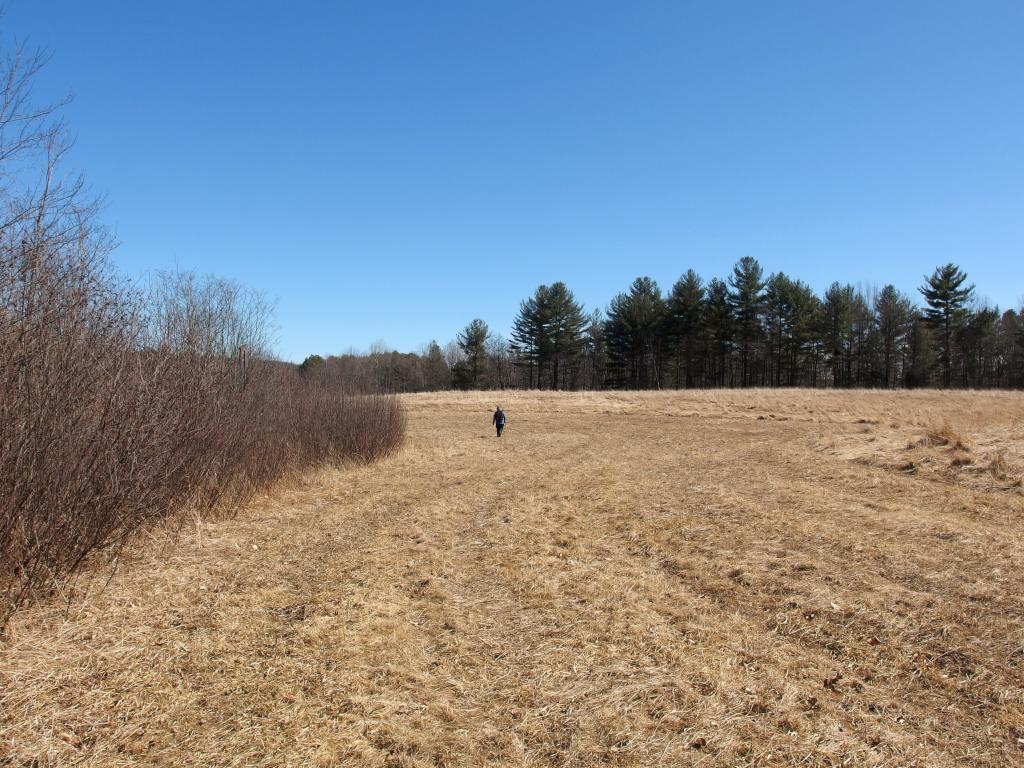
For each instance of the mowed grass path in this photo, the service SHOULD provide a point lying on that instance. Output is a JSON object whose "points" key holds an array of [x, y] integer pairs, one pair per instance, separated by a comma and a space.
{"points": [[622, 579]]}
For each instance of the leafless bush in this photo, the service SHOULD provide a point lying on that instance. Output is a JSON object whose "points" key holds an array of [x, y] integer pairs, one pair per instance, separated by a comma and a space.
{"points": [[117, 408], [120, 406]]}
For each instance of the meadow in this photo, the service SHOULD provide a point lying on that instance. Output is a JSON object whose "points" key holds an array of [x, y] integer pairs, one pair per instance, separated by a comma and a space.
{"points": [[714, 578]]}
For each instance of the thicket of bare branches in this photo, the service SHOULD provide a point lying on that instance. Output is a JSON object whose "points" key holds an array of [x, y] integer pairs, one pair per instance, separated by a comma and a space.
{"points": [[118, 405]]}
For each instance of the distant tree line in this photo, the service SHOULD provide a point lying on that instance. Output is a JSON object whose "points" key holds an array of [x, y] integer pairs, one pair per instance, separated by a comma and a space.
{"points": [[749, 330]]}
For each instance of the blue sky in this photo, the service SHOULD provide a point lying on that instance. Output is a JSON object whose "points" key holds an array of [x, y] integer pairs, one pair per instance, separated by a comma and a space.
{"points": [[390, 170]]}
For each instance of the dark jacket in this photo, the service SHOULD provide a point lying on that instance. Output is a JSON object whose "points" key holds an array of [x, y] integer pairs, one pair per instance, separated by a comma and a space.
{"points": [[499, 417]]}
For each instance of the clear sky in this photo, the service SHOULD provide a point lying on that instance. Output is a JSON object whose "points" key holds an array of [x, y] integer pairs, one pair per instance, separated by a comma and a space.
{"points": [[390, 170]]}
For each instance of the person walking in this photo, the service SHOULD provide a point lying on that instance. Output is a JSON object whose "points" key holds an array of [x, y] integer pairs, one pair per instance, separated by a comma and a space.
{"points": [[498, 420]]}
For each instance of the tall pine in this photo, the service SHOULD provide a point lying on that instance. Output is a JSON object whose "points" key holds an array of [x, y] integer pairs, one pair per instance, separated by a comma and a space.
{"points": [[746, 298], [564, 331], [473, 343], [683, 326], [719, 328], [894, 313], [633, 333], [547, 336], [946, 313], [529, 336]]}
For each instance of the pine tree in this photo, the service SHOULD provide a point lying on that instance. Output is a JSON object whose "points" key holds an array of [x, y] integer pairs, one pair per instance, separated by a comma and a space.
{"points": [[979, 345], [564, 326], [595, 352], [311, 365], [436, 373], [747, 301], [791, 314], [838, 310], [529, 335], [547, 335], [776, 326], [633, 334], [1012, 332], [946, 313], [921, 358], [803, 333], [894, 313], [473, 343], [684, 324], [719, 327], [863, 343]]}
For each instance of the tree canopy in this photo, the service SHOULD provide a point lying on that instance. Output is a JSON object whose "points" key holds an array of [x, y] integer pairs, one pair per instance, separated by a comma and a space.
{"points": [[742, 331]]}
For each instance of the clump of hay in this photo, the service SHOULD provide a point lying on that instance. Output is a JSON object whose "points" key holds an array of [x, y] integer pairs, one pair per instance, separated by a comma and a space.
{"points": [[942, 437], [960, 459], [999, 466], [1001, 469]]}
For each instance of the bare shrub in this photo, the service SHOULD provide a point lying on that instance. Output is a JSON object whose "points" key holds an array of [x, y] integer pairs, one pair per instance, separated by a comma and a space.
{"points": [[116, 410], [257, 417], [119, 406], [64, 337]]}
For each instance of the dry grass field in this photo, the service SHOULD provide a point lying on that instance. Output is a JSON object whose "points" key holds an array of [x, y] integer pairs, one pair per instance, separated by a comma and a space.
{"points": [[667, 579]]}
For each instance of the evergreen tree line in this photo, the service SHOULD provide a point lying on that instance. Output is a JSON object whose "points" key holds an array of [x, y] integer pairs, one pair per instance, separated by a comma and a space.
{"points": [[744, 331]]}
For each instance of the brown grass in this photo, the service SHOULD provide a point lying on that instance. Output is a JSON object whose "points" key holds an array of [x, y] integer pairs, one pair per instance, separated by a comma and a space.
{"points": [[707, 578]]}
